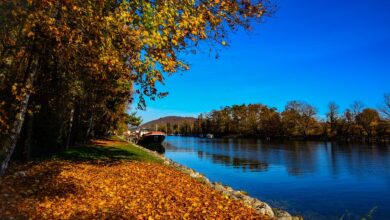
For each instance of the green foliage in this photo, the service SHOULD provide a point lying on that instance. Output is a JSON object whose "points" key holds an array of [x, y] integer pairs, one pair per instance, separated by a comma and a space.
{"points": [[133, 119]]}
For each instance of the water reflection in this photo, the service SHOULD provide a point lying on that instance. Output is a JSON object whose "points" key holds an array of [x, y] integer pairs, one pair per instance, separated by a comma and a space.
{"points": [[320, 179], [155, 147], [297, 156], [245, 164]]}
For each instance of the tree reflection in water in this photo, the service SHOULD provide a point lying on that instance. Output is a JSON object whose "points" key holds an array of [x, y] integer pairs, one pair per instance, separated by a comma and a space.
{"points": [[245, 164], [299, 157], [320, 179], [155, 147]]}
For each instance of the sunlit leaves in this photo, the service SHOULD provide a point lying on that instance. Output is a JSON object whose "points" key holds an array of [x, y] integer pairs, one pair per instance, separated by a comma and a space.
{"points": [[146, 36], [64, 190], [98, 54]]}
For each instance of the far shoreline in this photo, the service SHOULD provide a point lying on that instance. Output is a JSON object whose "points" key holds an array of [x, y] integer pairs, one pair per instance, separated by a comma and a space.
{"points": [[362, 140]]}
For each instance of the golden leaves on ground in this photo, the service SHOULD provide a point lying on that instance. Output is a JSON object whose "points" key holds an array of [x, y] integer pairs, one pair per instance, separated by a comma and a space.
{"points": [[107, 143], [131, 190]]}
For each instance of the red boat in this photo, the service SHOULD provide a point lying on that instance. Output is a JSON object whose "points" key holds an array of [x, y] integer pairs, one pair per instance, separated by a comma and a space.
{"points": [[151, 137]]}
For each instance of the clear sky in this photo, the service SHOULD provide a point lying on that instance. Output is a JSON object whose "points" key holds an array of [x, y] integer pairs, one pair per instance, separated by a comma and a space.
{"points": [[312, 50]]}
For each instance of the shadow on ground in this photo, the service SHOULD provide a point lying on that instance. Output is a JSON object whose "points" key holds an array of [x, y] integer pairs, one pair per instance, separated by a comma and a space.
{"points": [[106, 151], [96, 154]]}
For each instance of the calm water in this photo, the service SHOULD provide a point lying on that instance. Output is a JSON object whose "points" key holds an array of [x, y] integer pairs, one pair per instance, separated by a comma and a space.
{"points": [[319, 180]]}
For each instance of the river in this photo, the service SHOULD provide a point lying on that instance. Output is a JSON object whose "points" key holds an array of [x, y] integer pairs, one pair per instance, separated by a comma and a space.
{"points": [[318, 180]]}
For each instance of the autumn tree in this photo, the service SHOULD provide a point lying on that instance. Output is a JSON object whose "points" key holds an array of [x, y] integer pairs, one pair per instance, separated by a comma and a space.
{"points": [[356, 108], [269, 122], [298, 117], [385, 108], [79, 63], [298, 120], [368, 119], [345, 125], [332, 117]]}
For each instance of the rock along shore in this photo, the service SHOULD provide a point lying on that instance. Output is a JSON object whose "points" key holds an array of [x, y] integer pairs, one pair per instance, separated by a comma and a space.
{"points": [[259, 206]]}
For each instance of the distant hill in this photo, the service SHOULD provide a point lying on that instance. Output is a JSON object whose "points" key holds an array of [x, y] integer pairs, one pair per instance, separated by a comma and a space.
{"points": [[173, 120]]}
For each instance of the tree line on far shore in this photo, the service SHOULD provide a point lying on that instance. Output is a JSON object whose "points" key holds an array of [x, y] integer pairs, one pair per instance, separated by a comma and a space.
{"points": [[298, 120]]}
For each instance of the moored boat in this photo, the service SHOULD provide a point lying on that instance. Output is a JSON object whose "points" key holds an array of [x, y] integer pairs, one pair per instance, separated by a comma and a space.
{"points": [[210, 136], [151, 137]]}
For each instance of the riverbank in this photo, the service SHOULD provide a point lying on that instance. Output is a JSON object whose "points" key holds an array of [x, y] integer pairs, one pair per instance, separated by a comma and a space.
{"points": [[113, 179], [260, 207]]}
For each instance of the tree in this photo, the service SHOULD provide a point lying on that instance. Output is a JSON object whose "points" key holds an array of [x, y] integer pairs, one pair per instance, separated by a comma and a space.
{"points": [[332, 117], [368, 119], [385, 108], [132, 119], [298, 117], [270, 122], [345, 124], [297, 120], [290, 122], [169, 128], [356, 108], [81, 62]]}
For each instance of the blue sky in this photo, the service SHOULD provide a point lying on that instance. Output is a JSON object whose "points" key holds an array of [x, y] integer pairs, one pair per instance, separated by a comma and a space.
{"points": [[315, 51]]}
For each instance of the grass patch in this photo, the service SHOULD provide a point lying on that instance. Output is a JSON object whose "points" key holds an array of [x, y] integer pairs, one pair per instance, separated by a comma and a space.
{"points": [[108, 150]]}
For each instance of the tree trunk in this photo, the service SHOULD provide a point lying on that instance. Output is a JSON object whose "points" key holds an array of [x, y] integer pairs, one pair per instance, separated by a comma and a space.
{"points": [[13, 137], [70, 128], [27, 143], [10, 143], [89, 128]]}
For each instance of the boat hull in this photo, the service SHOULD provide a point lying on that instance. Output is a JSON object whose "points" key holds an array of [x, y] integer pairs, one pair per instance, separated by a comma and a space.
{"points": [[151, 139]]}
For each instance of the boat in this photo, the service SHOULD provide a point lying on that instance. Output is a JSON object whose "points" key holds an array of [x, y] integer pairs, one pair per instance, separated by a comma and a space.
{"points": [[210, 136], [147, 137]]}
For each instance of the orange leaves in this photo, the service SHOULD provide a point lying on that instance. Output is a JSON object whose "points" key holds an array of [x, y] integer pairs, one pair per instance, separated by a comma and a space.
{"points": [[65, 190], [174, 42], [75, 8], [19, 90], [114, 47], [30, 34]]}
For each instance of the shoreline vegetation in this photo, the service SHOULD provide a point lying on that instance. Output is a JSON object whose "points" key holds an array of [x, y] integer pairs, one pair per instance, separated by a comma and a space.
{"points": [[298, 121], [111, 178]]}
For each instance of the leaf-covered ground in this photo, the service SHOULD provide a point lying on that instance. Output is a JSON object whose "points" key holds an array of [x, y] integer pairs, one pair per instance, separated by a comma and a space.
{"points": [[121, 187]]}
